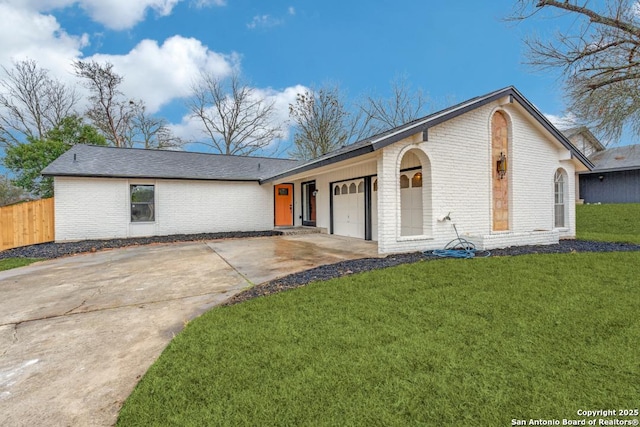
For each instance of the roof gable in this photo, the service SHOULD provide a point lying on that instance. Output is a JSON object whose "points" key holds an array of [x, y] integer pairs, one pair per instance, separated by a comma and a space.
{"points": [[379, 141], [94, 161], [586, 134]]}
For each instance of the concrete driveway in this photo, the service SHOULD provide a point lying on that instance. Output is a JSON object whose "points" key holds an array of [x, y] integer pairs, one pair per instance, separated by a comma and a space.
{"points": [[76, 334]]}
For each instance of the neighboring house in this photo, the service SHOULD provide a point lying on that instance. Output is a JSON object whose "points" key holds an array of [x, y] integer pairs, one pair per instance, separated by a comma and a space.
{"points": [[615, 177], [504, 173], [585, 141]]}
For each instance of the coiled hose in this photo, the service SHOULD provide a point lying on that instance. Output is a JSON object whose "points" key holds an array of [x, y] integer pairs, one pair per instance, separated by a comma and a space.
{"points": [[460, 248]]}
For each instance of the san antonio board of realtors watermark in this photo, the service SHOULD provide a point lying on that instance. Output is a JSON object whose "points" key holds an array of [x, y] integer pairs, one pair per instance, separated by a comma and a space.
{"points": [[600, 417]]}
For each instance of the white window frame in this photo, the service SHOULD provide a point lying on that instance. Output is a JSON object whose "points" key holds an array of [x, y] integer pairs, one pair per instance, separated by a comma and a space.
{"points": [[559, 199], [151, 204]]}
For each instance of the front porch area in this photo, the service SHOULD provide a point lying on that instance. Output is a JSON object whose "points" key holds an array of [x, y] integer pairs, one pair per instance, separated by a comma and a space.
{"points": [[298, 230]]}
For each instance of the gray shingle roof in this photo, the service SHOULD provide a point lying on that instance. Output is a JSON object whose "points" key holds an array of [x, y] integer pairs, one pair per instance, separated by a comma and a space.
{"points": [[136, 163], [626, 157], [94, 161]]}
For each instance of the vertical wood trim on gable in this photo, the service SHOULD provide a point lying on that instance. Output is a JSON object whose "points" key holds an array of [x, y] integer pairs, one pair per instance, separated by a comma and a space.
{"points": [[500, 186]]}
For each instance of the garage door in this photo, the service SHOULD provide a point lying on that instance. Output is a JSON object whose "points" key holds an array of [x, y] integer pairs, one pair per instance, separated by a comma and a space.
{"points": [[348, 208]]}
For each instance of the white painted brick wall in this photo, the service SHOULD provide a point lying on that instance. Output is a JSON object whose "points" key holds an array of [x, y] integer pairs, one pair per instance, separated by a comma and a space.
{"points": [[459, 153], [97, 208], [456, 179], [206, 206], [90, 208], [505, 240]]}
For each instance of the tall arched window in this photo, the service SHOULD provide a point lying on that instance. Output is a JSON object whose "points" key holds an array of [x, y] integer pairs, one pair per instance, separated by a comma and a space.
{"points": [[414, 173], [411, 206], [559, 188]]}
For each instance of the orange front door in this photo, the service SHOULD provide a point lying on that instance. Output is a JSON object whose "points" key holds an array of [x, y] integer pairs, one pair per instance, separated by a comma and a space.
{"points": [[284, 204]]}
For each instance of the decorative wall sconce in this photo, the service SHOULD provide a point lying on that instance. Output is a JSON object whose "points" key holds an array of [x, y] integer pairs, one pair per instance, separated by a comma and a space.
{"points": [[501, 166], [315, 193], [601, 177]]}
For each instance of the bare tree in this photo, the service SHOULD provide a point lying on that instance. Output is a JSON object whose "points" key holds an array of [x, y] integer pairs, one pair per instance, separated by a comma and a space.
{"points": [[403, 106], [236, 119], [322, 121], [599, 57], [31, 103], [109, 110], [150, 132], [124, 122], [9, 193], [325, 122]]}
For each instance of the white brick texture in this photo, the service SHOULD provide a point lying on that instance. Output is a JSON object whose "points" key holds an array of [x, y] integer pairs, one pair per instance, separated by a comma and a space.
{"points": [[457, 179], [99, 208], [456, 169]]}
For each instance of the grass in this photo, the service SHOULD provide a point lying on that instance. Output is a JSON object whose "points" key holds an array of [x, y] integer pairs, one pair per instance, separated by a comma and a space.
{"points": [[451, 342], [609, 223], [9, 263]]}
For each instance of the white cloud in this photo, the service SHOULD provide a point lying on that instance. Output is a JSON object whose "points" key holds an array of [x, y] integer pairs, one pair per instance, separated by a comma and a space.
{"points": [[114, 14], [206, 3], [158, 74], [564, 122], [281, 101], [264, 21], [269, 21], [123, 14], [27, 34]]}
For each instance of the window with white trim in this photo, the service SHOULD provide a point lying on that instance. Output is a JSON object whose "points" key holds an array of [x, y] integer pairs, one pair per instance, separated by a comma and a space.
{"points": [[560, 197], [142, 203]]}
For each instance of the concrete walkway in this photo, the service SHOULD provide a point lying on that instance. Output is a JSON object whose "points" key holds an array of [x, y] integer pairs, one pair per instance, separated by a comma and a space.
{"points": [[77, 334], [263, 259]]}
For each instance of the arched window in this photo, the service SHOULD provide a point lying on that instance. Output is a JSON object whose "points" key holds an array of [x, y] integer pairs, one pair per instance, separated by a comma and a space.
{"points": [[559, 188], [412, 218], [375, 185], [345, 190], [361, 187], [336, 190], [352, 188], [416, 181]]}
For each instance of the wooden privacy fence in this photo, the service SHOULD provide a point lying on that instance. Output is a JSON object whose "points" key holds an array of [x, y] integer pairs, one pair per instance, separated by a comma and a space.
{"points": [[26, 223]]}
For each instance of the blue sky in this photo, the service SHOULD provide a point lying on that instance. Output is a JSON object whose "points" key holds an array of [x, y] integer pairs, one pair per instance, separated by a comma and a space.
{"points": [[451, 50]]}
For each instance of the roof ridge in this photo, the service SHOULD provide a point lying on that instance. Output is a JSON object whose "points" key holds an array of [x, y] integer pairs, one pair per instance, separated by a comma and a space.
{"points": [[159, 150]]}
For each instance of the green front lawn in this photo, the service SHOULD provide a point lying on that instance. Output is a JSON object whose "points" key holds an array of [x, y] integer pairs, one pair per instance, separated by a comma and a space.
{"points": [[6, 264], [609, 223], [452, 342]]}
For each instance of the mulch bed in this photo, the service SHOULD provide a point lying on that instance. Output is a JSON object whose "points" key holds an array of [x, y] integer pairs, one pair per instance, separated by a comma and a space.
{"points": [[345, 268], [57, 250]]}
